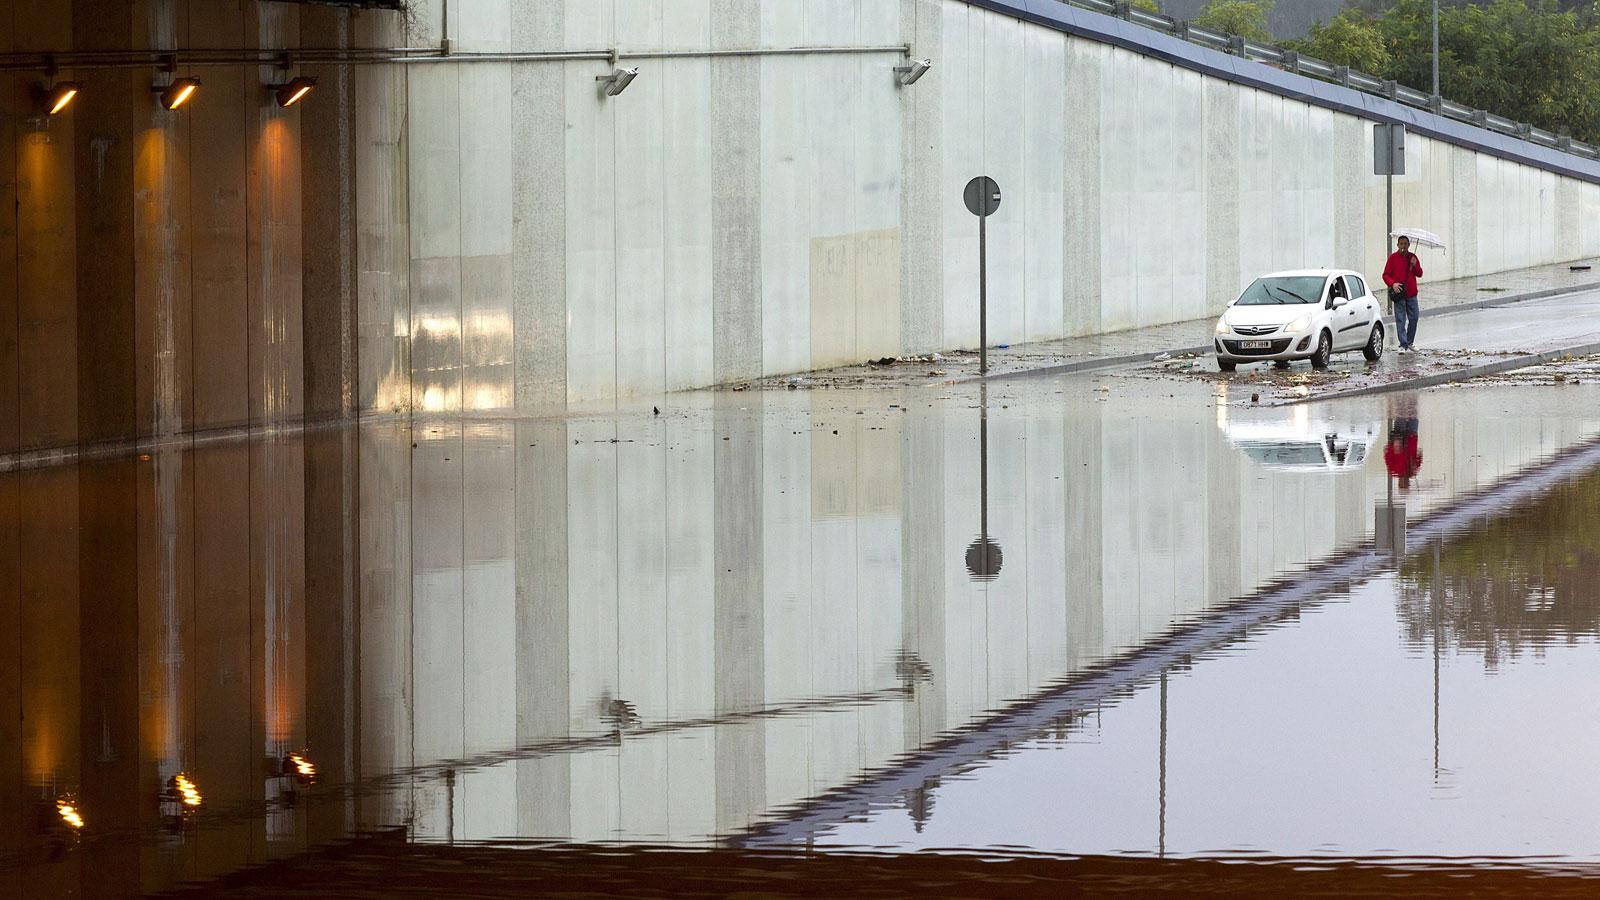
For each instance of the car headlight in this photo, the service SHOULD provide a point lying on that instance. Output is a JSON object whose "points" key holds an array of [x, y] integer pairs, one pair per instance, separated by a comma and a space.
{"points": [[1222, 327], [1301, 324]]}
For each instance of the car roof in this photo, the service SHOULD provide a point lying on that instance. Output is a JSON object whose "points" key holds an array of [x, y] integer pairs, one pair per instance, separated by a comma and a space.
{"points": [[1302, 273]]}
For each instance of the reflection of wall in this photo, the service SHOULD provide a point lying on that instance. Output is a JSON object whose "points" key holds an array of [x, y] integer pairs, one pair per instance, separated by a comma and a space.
{"points": [[692, 577], [161, 624], [734, 565]]}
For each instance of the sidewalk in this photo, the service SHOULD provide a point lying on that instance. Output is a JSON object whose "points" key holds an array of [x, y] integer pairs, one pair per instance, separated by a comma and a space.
{"points": [[1194, 336]]}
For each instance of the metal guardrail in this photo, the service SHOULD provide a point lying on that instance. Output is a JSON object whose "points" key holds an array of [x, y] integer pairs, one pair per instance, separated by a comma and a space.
{"points": [[1269, 54]]}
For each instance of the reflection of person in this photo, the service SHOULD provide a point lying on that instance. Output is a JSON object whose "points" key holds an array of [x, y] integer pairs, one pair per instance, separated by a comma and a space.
{"points": [[1402, 455], [1400, 273]]}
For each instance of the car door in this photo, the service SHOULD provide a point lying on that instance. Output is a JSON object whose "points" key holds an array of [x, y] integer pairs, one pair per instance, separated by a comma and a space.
{"points": [[1361, 297], [1350, 321]]}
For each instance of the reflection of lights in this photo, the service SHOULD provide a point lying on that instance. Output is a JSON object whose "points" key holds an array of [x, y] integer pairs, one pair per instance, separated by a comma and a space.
{"points": [[186, 791], [436, 326], [67, 809], [301, 767], [486, 398], [433, 399]]}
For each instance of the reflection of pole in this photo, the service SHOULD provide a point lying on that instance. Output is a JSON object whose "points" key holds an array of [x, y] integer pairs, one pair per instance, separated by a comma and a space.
{"points": [[1162, 833], [450, 806], [984, 558], [1434, 604], [983, 473]]}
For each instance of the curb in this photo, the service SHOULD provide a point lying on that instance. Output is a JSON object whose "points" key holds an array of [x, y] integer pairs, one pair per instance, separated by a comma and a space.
{"points": [[1109, 362], [1494, 368]]}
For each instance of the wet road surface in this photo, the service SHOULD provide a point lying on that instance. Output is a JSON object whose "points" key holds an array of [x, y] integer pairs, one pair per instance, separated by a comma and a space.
{"points": [[694, 629]]}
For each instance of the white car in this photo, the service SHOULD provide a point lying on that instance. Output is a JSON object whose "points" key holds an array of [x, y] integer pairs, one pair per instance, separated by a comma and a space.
{"points": [[1308, 314]]}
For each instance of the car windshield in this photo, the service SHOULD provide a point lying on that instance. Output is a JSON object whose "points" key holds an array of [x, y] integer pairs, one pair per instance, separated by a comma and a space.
{"points": [[1288, 289], [1286, 454]]}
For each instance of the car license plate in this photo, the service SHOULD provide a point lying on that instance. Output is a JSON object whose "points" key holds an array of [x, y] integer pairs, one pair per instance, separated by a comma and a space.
{"points": [[1254, 345]]}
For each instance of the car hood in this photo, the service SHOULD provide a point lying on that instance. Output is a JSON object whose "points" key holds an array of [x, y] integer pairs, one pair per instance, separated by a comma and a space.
{"points": [[1267, 315]]}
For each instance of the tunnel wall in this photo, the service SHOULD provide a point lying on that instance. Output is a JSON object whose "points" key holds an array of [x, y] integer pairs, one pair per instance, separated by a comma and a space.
{"points": [[495, 237], [730, 218], [173, 271]]}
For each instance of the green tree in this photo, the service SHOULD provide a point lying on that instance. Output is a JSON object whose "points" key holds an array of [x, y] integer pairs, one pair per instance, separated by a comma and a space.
{"points": [[1349, 39], [1247, 18], [1150, 6], [1532, 61], [1527, 60]]}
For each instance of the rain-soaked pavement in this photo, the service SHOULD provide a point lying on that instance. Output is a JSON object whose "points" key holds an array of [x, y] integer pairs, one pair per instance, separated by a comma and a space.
{"points": [[1053, 617]]}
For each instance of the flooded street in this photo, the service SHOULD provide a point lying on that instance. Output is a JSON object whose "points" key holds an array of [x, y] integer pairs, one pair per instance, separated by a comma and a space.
{"points": [[1072, 616]]}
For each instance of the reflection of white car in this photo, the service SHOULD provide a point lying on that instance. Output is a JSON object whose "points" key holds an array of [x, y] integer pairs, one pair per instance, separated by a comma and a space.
{"points": [[1294, 439], [1309, 314]]}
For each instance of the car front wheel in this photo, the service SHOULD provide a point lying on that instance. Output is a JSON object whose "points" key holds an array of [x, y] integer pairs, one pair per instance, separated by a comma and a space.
{"points": [[1319, 359], [1373, 351]]}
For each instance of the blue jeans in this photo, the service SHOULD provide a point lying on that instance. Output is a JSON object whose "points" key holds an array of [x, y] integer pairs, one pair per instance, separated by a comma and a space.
{"points": [[1406, 312]]}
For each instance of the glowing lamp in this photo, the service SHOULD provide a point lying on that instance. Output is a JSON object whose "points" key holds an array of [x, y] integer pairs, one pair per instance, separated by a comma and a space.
{"points": [[58, 97], [177, 93], [293, 91]]}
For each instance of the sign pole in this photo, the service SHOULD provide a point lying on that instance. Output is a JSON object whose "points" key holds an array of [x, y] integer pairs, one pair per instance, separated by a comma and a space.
{"points": [[983, 295], [982, 196], [1388, 213]]}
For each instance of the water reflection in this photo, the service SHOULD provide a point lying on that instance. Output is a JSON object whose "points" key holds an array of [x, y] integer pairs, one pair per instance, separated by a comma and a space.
{"points": [[1304, 437], [651, 629], [1517, 585]]}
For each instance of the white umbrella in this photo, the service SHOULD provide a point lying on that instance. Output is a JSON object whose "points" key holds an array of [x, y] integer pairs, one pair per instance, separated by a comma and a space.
{"points": [[1419, 237]]}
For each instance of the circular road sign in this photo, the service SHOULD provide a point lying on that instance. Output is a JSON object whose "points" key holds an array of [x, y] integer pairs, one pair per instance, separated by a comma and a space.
{"points": [[982, 196], [984, 559]]}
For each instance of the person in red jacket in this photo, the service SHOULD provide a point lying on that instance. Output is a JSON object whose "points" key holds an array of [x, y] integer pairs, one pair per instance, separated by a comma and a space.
{"points": [[1400, 273], [1401, 454]]}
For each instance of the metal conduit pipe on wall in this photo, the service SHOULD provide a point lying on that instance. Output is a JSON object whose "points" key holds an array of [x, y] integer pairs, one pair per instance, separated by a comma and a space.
{"points": [[89, 60]]}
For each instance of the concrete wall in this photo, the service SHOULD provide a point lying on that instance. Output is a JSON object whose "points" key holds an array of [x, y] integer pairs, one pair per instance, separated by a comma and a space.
{"points": [[173, 271], [731, 218], [497, 237]]}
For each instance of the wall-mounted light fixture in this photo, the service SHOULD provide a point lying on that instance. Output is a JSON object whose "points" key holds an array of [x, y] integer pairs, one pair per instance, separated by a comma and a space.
{"points": [[177, 93], [292, 91], [57, 97], [908, 74], [618, 81]]}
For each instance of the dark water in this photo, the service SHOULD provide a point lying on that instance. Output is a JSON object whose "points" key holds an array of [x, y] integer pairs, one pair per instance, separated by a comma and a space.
{"points": [[758, 623]]}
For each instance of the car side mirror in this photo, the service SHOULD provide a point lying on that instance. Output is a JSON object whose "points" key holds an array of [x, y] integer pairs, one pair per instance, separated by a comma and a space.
{"points": [[1337, 302]]}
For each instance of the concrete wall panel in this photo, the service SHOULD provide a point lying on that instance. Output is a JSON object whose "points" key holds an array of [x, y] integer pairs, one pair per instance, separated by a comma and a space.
{"points": [[1082, 147], [1045, 130], [922, 221]]}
